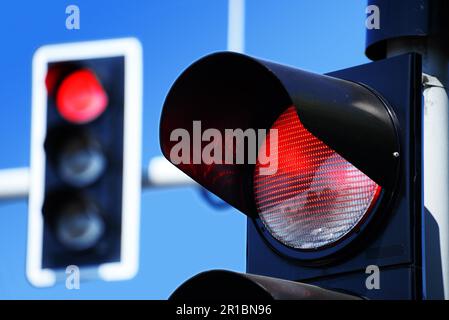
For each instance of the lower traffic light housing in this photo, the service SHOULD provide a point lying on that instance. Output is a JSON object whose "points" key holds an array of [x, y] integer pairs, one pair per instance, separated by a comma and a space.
{"points": [[221, 285]]}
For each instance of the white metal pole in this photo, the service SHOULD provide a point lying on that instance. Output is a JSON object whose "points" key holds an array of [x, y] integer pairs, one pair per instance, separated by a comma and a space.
{"points": [[236, 25], [436, 184], [436, 160], [15, 183], [162, 173]]}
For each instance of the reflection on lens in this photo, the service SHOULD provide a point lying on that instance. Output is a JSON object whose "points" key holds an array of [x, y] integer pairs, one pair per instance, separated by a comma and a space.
{"points": [[81, 162], [79, 226]]}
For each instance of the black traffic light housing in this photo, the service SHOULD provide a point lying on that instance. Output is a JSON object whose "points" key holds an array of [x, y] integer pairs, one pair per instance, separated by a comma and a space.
{"points": [[393, 242], [104, 189], [370, 115], [85, 161], [222, 285]]}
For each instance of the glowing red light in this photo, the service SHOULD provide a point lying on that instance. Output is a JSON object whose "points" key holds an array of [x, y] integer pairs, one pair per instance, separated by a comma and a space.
{"points": [[81, 97], [315, 197]]}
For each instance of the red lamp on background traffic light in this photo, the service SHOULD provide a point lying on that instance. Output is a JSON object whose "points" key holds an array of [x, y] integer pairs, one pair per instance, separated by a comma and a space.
{"points": [[81, 97]]}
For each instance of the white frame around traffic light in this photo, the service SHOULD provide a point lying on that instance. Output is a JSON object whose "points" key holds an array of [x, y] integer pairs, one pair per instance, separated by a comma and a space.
{"points": [[131, 50]]}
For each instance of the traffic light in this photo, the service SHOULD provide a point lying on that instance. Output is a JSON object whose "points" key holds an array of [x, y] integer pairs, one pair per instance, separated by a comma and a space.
{"points": [[84, 197], [327, 168]]}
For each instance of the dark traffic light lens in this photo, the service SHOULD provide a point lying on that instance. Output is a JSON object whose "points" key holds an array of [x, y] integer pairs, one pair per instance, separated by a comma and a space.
{"points": [[315, 197], [81, 161], [79, 226]]}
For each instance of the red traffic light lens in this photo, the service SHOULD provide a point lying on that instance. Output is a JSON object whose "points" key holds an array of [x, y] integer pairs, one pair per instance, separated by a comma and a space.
{"points": [[81, 97], [315, 197]]}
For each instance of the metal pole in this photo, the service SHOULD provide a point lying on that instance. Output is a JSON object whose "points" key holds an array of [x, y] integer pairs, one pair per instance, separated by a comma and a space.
{"points": [[436, 185], [14, 183], [161, 173], [236, 25], [436, 160], [421, 26]]}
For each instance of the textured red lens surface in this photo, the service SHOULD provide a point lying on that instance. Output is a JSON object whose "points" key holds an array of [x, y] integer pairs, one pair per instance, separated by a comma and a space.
{"points": [[81, 97], [315, 197]]}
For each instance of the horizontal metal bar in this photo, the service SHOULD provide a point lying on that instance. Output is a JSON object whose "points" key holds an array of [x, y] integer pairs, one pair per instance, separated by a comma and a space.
{"points": [[162, 173], [15, 182]]}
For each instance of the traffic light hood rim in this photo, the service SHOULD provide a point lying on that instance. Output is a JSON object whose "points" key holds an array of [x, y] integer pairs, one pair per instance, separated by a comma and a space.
{"points": [[349, 117]]}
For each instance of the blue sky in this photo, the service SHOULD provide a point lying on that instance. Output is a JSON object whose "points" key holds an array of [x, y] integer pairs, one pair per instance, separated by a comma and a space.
{"points": [[181, 234]]}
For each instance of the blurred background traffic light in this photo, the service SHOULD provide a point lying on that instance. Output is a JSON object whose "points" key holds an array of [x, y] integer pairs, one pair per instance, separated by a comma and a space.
{"points": [[85, 175]]}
